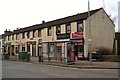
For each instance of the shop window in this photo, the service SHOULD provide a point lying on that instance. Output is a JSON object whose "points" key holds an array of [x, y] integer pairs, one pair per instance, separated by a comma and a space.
{"points": [[80, 27], [59, 49], [68, 28], [52, 48], [39, 33], [58, 29], [49, 31]]}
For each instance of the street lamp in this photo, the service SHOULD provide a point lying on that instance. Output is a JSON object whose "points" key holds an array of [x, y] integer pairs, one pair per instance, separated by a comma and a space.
{"points": [[89, 40]]}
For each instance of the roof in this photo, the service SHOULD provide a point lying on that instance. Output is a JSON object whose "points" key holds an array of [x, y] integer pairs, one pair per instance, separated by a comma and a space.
{"points": [[68, 19]]}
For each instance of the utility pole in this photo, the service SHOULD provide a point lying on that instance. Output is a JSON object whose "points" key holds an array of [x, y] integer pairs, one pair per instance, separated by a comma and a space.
{"points": [[89, 27], [103, 4]]}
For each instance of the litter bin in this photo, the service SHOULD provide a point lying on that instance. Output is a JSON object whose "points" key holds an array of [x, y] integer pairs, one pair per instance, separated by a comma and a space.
{"points": [[6, 56], [20, 56], [24, 56]]}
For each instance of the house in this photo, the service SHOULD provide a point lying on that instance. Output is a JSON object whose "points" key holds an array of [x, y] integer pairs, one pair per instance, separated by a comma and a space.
{"points": [[51, 39]]}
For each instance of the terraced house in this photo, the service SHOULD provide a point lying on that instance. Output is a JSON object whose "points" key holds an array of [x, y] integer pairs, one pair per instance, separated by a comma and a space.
{"points": [[50, 38]]}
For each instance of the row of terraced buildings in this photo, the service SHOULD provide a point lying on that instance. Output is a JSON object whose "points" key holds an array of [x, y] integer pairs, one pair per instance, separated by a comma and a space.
{"points": [[50, 39]]}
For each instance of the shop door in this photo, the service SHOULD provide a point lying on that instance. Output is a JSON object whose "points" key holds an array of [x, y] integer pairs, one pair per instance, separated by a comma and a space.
{"points": [[80, 52], [33, 50]]}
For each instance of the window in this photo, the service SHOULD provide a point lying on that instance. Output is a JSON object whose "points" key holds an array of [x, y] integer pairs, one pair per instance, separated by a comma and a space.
{"points": [[80, 27], [68, 28], [58, 29], [51, 48], [59, 49], [49, 31], [23, 35], [12, 37], [17, 36], [39, 33], [28, 34], [34, 34], [9, 38]]}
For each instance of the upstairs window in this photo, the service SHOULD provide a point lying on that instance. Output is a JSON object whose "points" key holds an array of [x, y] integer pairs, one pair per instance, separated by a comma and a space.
{"points": [[34, 33], [23, 35], [68, 28], [80, 27], [9, 37], [28, 34], [49, 31], [58, 29], [39, 33], [12, 37], [17, 36]]}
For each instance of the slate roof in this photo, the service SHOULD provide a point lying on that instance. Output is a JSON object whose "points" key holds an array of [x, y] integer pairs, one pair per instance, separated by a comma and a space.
{"points": [[80, 16]]}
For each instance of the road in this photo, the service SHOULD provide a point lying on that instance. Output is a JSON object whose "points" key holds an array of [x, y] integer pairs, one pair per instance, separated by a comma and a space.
{"points": [[15, 69]]}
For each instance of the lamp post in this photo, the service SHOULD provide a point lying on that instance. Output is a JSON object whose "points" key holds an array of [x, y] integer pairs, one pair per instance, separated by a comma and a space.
{"points": [[89, 40]]}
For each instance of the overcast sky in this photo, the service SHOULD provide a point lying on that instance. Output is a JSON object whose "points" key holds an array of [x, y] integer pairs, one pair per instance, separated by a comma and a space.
{"points": [[24, 13]]}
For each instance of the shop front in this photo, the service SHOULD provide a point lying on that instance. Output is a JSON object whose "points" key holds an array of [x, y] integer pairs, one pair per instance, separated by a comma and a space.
{"points": [[78, 40]]}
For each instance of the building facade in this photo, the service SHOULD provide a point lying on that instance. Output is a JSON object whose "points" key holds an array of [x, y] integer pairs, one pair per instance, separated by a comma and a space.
{"points": [[50, 39], [1, 44]]}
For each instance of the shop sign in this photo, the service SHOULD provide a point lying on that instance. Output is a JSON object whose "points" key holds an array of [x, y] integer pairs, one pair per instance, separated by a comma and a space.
{"points": [[77, 35], [78, 44], [63, 36]]}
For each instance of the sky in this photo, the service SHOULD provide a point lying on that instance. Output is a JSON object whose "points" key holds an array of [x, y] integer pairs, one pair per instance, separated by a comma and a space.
{"points": [[23, 13]]}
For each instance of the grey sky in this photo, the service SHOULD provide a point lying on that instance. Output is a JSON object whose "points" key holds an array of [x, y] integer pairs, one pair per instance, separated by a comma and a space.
{"points": [[24, 13]]}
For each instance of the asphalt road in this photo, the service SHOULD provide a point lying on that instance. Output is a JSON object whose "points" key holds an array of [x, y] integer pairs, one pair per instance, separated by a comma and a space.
{"points": [[15, 69]]}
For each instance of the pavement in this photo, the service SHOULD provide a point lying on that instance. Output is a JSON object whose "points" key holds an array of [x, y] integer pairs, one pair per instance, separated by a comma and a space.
{"points": [[87, 65], [78, 64]]}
